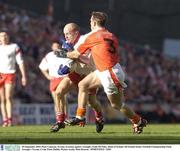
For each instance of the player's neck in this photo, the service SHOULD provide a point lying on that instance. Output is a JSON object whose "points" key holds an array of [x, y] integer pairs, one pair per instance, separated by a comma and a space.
{"points": [[4, 43], [98, 28], [76, 40]]}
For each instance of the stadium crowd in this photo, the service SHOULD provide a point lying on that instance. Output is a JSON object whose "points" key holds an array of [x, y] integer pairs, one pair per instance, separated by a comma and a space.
{"points": [[34, 35], [152, 77]]}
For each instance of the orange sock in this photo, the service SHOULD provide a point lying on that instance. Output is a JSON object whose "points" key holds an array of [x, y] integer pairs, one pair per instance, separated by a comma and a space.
{"points": [[81, 112], [135, 119]]}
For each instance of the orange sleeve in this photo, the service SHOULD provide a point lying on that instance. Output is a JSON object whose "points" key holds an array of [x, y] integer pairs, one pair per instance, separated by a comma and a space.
{"points": [[83, 48], [88, 43]]}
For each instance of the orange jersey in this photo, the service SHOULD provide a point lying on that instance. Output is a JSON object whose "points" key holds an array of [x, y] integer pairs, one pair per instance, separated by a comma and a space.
{"points": [[103, 46]]}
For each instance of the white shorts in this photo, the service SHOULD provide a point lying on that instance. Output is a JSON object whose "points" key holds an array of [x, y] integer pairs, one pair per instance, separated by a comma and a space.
{"points": [[112, 79]]}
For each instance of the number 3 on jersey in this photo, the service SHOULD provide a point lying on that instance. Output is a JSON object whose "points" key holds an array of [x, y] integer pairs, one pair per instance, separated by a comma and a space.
{"points": [[111, 44]]}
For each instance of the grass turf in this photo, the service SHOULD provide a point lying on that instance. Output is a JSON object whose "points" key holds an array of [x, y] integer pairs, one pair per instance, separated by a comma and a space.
{"points": [[111, 134]]}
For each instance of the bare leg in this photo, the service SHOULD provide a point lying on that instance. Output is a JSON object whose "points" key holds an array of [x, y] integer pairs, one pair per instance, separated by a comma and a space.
{"points": [[89, 82], [99, 121], [8, 96], [62, 89], [64, 86], [94, 104], [116, 101], [53, 94], [3, 106]]}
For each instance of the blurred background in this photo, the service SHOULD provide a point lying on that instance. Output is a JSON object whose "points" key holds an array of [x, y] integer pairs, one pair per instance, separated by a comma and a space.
{"points": [[149, 37]]}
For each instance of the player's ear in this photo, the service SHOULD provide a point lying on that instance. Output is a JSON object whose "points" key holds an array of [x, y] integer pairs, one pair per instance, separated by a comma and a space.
{"points": [[94, 23], [76, 32]]}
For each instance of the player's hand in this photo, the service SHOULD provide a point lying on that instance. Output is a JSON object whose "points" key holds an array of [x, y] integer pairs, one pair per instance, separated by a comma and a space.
{"points": [[73, 54], [23, 81], [70, 55], [49, 77], [63, 69], [67, 45], [62, 53]]}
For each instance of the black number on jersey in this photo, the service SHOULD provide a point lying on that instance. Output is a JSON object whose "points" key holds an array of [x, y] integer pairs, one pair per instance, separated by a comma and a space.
{"points": [[112, 49]]}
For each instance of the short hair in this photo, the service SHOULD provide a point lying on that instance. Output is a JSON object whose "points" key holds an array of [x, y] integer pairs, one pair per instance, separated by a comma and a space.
{"points": [[75, 27], [3, 32], [72, 26], [100, 18]]}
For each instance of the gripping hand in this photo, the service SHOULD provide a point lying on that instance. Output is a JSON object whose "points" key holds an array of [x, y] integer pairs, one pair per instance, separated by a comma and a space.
{"points": [[63, 69], [66, 45], [62, 53]]}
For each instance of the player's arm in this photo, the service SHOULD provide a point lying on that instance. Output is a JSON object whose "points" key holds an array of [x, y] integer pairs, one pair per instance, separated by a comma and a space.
{"points": [[23, 74], [73, 54], [46, 74], [80, 48], [43, 66], [21, 65]]}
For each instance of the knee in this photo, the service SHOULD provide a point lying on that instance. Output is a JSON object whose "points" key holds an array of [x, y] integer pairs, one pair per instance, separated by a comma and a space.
{"points": [[59, 93], [8, 98], [116, 106], [2, 100], [90, 105]]}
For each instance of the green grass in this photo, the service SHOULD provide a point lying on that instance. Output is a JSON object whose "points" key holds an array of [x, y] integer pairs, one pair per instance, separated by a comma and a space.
{"points": [[111, 134]]}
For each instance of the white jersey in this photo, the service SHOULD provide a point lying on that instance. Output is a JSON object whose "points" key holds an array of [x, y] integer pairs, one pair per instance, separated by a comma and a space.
{"points": [[52, 63], [9, 56]]}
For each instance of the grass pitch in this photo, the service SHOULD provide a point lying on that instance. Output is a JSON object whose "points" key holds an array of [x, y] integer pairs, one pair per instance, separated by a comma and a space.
{"points": [[111, 134]]}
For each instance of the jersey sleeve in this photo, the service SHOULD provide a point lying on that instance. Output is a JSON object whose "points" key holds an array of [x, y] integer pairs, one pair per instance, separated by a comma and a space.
{"points": [[68, 62], [18, 55], [43, 64], [82, 45]]}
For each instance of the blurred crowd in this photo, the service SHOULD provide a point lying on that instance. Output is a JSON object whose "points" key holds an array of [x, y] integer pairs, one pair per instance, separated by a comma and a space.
{"points": [[152, 77], [34, 34]]}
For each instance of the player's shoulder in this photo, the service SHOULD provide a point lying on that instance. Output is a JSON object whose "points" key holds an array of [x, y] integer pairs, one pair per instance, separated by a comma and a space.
{"points": [[97, 34], [81, 37], [49, 54], [13, 45], [85, 36]]}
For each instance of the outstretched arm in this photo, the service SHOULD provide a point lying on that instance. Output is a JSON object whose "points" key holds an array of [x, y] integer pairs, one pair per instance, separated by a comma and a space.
{"points": [[73, 54]]}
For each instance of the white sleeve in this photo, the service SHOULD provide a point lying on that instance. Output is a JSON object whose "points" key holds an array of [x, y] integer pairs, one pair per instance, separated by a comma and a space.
{"points": [[19, 58], [80, 41], [43, 64], [68, 62]]}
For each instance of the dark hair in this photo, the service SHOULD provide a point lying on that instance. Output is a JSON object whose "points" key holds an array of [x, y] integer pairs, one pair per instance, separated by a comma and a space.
{"points": [[55, 41], [100, 18]]}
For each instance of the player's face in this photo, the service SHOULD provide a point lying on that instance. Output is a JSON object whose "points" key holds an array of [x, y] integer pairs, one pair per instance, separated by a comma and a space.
{"points": [[70, 35], [4, 38], [55, 46]]}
